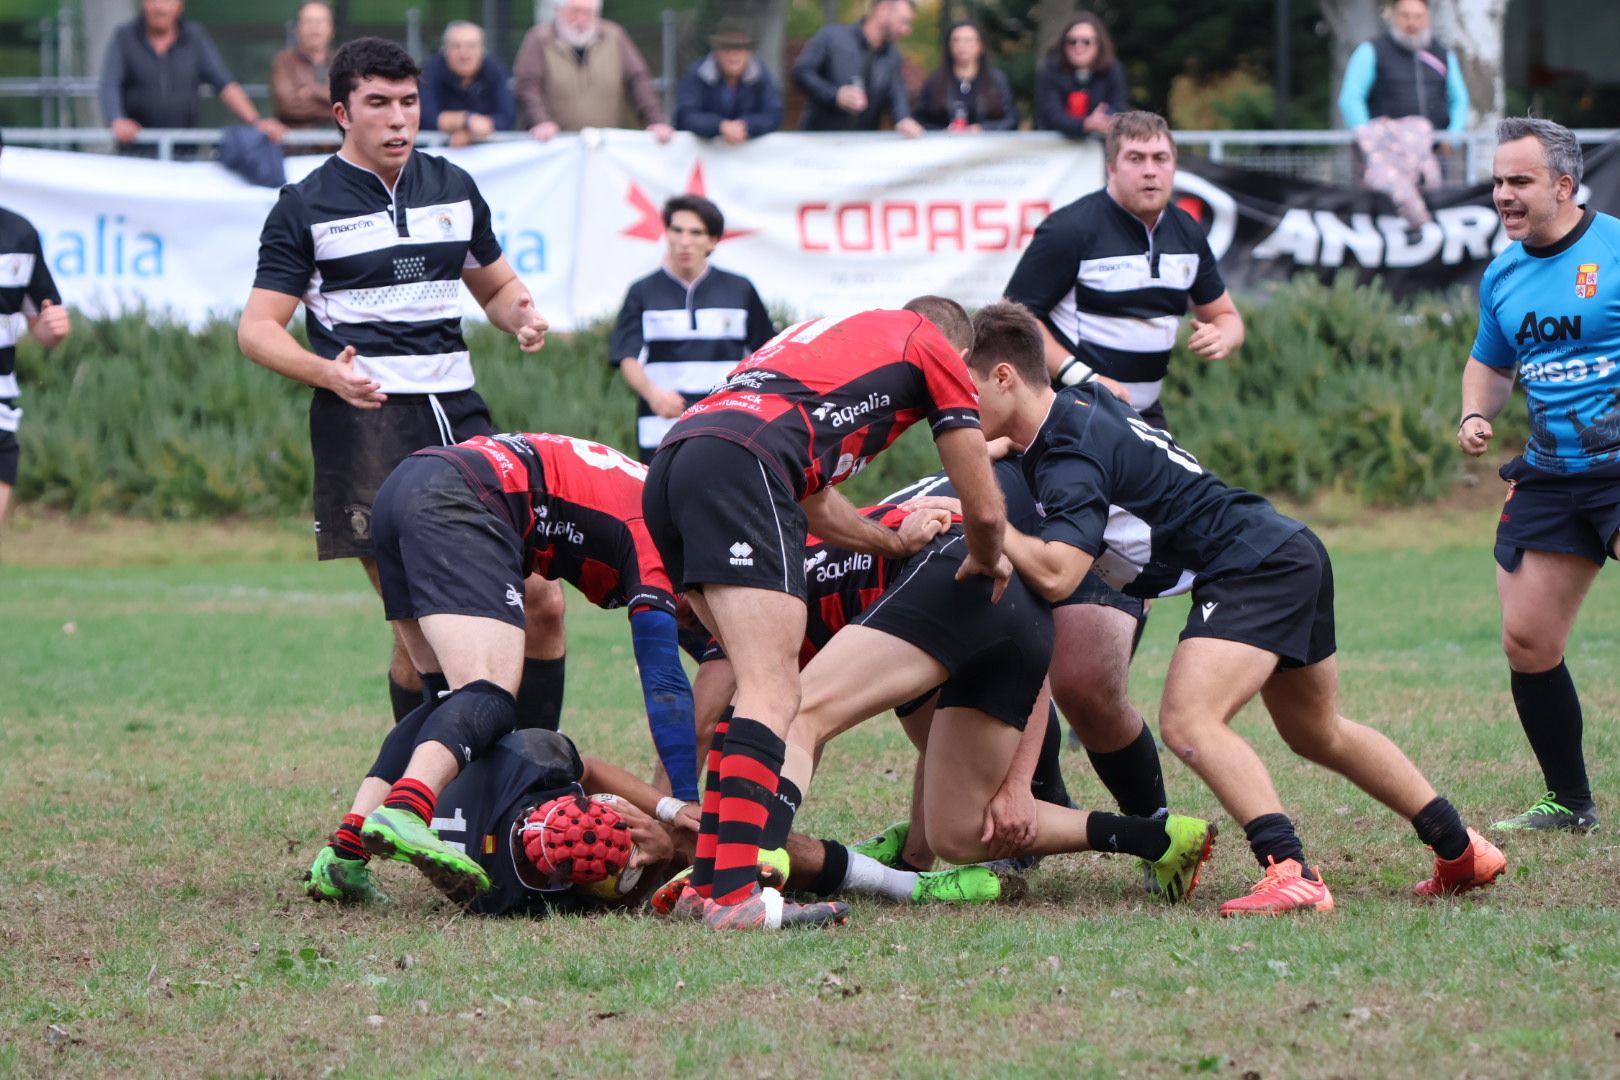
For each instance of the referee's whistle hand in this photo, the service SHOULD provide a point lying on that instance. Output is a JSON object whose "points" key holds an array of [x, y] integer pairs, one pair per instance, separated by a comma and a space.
{"points": [[352, 386], [1474, 436]]}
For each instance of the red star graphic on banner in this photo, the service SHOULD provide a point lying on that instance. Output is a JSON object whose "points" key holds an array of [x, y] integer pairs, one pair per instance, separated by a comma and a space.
{"points": [[650, 224]]}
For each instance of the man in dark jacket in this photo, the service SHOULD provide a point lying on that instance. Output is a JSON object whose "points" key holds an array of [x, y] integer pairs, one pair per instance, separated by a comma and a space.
{"points": [[1405, 72], [851, 73], [464, 89], [728, 93]]}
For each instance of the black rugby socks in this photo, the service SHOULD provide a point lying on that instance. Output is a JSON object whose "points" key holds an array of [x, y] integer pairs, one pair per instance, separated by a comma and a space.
{"points": [[1550, 713], [1438, 825], [1272, 837], [1132, 776], [402, 699], [1139, 836], [540, 694]]}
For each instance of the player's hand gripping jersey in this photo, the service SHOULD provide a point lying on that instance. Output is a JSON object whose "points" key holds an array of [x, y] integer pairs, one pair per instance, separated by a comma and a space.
{"points": [[1554, 313], [822, 398], [577, 507]]}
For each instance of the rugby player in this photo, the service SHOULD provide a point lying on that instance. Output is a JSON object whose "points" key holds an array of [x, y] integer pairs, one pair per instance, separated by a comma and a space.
{"points": [[1549, 310], [739, 481], [377, 244], [1110, 277], [458, 530], [29, 303], [1261, 619]]}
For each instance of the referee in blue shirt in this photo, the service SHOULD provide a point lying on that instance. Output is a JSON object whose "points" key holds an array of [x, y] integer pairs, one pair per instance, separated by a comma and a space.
{"points": [[1549, 313]]}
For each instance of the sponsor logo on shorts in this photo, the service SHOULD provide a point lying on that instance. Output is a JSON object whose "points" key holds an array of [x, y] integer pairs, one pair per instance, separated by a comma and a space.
{"points": [[359, 521], [742, 554], [513, 597], [1209, 609]]}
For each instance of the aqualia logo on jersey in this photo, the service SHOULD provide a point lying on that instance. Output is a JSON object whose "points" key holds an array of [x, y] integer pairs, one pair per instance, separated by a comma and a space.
{"points": [[848, 414], [1586, 281]]}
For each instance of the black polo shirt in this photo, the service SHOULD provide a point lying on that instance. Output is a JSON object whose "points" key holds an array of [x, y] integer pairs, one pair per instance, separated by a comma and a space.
{"points": [[1112, 291], [380, 269]]}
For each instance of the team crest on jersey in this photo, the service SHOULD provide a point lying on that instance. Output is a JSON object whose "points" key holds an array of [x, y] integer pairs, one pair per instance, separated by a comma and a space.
{"points": [[446, 224], [1586, 280]]}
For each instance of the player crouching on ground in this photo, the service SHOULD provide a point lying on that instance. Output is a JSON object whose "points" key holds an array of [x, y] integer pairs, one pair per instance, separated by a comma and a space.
{"points": [[1261, 619], [458, 529]]}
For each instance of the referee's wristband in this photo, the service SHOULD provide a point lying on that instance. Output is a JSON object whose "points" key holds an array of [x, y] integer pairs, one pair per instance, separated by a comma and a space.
{"points": [[667, 808], [1471, 416], [1073, 373]]}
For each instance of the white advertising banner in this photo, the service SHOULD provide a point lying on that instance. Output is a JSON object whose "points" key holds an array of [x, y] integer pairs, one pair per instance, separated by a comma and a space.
{"points": [[826, 223], [126, 233], [821, 223]]}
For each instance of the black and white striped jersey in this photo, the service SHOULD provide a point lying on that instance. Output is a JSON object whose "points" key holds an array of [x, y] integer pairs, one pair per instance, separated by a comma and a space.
{"points": [[380, 269], [1112, 291], [25, 285], [688, 337], [1094, 457]]}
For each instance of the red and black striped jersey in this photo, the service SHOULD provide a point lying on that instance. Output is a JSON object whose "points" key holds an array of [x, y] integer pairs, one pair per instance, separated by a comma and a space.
{"points": [[822, 398], [577, 506]]}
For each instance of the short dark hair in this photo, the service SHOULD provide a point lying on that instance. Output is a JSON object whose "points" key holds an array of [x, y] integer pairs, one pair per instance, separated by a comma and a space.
{"points": [[946, 314], [368, 58], [714, 222], [1138, 125], [1006, 333]]}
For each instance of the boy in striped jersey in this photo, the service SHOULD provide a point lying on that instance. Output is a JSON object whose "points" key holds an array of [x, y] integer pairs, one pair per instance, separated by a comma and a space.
{"points": [[29, 304]]}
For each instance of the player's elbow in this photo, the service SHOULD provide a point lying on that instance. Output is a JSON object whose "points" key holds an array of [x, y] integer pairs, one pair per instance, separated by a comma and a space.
{"points": [[1059, 582]]}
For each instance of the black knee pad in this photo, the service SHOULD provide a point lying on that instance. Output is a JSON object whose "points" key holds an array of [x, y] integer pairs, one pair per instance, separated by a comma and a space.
{"points": [[471, 720]]}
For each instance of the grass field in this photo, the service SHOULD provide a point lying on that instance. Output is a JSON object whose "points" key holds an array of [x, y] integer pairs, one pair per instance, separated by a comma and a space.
{"points": [[187, 710]]}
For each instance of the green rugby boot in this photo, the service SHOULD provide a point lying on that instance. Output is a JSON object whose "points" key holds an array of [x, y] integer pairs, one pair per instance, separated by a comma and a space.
{"points": [[887, 846], [340, 880], [400, 834], [966, 885], [1549, 815], [1176, 871]]}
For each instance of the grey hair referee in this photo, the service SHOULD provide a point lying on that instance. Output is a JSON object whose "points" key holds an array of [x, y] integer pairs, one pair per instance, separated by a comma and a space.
{"points": [[377, 243]]}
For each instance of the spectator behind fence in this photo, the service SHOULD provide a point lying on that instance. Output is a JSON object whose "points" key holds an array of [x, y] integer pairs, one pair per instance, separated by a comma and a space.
{"points": [[298, 74], [153, 67], [581, 70], [966, 94], [851, 74], [464, 90], [1405, 72], [728, 93], [686, 325], [1081, 86]]}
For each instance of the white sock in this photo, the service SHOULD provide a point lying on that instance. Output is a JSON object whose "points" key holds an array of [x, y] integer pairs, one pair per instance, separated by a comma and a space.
{"points": [[867, 875]]}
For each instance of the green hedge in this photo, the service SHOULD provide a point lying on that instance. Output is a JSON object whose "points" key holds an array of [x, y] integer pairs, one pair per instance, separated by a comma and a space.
{"points": [[1339, 387]]}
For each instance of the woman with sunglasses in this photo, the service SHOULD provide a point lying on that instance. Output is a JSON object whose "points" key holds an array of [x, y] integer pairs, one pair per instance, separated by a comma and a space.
{"points": [[1081, 86]]}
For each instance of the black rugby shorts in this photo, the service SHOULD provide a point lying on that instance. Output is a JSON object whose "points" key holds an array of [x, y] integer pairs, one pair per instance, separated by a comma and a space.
{"points": [[356, 449], [996, 654], [1569, 513], [1284, 605]]}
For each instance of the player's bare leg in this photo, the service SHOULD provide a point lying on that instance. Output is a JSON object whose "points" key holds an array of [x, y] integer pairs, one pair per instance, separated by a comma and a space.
{"points": [[1540, 600], [5, 500], [1091, 662]]}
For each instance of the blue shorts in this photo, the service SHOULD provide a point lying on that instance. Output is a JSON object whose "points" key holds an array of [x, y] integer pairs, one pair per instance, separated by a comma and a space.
{"points": [[1569, 513]]}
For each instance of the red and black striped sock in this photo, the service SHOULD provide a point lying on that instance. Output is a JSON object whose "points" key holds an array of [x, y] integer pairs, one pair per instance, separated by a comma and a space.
{"points": [[412, 795], [346, 840], [703, 857], [748, 776]]}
